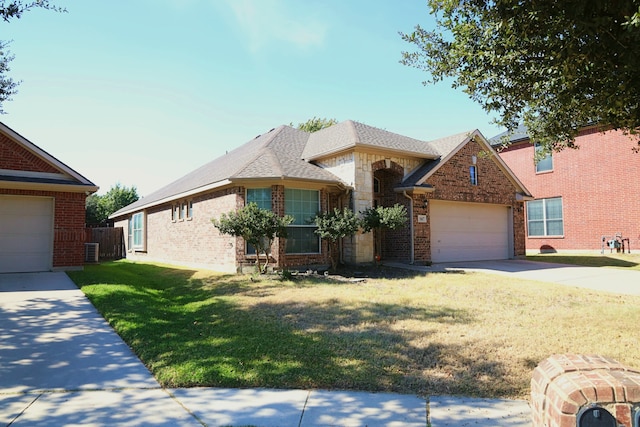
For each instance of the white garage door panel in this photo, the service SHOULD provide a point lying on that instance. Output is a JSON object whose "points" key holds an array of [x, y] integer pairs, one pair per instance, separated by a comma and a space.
{"points": [[468, 231], [26, 234]]}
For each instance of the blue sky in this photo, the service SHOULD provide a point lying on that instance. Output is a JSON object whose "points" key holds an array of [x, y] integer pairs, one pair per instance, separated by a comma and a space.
{"points": [[141, 92]]}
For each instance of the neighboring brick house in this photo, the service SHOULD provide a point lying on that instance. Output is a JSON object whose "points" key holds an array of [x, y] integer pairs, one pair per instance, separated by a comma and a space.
{"points": [[581, 195], [462, 205], [42, 208]]}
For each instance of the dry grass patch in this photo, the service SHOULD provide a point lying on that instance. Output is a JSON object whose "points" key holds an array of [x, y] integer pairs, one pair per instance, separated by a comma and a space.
{"points": [[440, 333]]}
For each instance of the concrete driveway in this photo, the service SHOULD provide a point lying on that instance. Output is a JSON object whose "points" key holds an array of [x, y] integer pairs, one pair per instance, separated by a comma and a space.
{"points": [[62, 364], [598, 278]]}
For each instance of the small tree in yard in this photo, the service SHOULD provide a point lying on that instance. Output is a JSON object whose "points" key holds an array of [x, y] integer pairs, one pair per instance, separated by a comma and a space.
{"points": [[335, 225], [258, 227], [392, 217]]}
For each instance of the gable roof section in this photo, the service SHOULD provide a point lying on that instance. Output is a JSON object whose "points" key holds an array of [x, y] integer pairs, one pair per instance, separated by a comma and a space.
{"points": [[37, 170], [448, 147], [521, 133], [273, 155], [349, 135]]}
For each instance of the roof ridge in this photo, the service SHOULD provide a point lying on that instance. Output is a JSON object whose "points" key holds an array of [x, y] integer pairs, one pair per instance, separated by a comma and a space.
{"points": [[261, 151]]}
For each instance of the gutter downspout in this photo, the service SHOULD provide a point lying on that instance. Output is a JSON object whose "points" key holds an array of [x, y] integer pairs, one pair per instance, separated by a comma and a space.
{"points": [[404, 193]]}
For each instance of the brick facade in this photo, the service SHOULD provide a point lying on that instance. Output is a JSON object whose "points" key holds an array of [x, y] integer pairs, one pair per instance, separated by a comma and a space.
{"points": [[174, 242], [69, 206], [564, 385], [15, 157], [452, 183], [598, 183], [195, 242]]}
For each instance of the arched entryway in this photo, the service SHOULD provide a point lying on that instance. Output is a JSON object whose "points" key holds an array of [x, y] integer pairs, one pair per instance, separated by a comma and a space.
{"points": [[390, 245]]}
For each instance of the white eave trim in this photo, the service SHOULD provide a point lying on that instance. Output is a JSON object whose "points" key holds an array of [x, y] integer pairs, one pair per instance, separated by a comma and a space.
{"points": [[42, 154], [43, 186]]}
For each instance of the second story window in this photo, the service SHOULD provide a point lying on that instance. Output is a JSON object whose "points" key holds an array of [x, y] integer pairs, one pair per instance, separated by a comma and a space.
{"points": [[544, 161]]}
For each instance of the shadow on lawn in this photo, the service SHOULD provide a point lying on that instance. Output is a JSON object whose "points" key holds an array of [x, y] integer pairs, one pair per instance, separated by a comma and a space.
{"points": [[194, 332]]}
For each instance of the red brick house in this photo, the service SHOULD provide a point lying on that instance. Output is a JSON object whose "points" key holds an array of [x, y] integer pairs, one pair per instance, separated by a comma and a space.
{"points": [[461, 205], [42, 208], [580, 195]]}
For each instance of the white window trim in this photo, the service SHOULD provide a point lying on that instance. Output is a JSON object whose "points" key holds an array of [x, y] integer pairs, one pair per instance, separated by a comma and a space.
{"points": [[143, 244], [545, 219], [550, 156]]}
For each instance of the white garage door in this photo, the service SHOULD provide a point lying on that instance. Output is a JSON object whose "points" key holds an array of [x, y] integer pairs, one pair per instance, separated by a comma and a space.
{"points": [[26, 234], [469, 231]]}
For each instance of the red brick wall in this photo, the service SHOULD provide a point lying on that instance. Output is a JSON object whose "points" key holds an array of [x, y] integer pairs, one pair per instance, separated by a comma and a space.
{"points": [[15, 157], [197, 243], [452, 182], [599, 187], [68, 225], [564, 384]]}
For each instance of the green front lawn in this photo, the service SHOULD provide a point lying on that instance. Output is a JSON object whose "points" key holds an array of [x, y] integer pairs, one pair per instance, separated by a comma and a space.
{"points": [[441, 333]]}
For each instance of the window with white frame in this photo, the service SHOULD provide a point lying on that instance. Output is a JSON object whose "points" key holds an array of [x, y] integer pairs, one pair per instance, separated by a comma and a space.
{"points": [[136, 231], [303, 206], [544, 161], [544, 217], [262, 198]]}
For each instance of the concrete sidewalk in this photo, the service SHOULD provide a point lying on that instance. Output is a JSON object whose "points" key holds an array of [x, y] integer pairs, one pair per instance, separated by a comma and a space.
{"points": [[62, 365]]}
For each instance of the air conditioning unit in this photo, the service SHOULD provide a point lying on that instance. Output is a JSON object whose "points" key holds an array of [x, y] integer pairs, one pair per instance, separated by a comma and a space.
{"points": [[91, 252]]}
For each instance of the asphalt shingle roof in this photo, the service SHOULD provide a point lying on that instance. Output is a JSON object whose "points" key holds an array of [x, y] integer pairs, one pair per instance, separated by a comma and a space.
{"points": [[286, 153], [349, 134], [275, 154], [519, 134]]}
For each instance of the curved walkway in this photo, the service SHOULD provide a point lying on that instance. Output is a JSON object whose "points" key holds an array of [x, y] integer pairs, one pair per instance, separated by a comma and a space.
{"points": [[62, 364]]}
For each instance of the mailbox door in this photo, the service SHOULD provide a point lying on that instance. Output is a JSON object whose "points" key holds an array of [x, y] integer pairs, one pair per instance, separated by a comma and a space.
{"points": [[595, 416]]}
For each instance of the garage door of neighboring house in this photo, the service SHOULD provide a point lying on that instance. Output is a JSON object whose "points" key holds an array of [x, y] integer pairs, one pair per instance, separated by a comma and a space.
{"points": [[26, 234], [470, 231]]}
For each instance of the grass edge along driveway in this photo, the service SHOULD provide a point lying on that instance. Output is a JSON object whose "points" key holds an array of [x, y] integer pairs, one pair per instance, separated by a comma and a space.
{"points": [[458, 333]]}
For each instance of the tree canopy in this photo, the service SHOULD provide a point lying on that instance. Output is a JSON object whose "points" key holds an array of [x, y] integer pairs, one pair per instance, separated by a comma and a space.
{"points": [[552, 66], [258, 227], [13, 9], [335, 225], [391, 217], [98, 208], [315, 124]]}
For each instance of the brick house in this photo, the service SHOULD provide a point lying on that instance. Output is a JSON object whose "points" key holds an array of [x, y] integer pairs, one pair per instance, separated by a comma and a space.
{"points": [[581, 195], [42, 208], [462, 205]]}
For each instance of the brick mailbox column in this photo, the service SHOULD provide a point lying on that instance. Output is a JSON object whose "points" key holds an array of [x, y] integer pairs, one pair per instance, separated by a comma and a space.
{"points": [[572, 390]]}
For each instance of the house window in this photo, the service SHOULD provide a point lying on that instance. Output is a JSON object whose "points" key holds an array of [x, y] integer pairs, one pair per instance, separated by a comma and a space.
{"points": [[376, 185], [189, 209], [136, 231], [544, 217], [262, 198], [303, 205], [544, 161], [174, 212], [259, 196], [473, 173]]}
